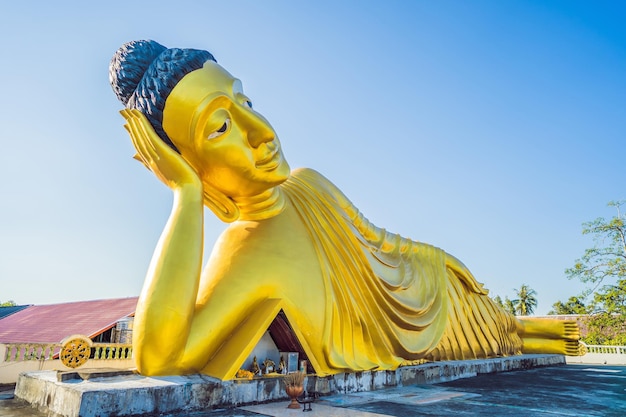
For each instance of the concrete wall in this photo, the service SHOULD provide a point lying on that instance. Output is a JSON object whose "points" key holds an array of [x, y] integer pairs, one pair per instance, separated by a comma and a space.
{"points": [[131, 394], [598, 359]]}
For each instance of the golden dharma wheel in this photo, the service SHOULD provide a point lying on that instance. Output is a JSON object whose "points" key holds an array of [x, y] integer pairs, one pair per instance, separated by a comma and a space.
{"points": [[75, 350]]}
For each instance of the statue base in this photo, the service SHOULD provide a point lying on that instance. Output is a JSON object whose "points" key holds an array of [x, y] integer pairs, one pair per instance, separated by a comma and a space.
{"points": [[101, 393]]}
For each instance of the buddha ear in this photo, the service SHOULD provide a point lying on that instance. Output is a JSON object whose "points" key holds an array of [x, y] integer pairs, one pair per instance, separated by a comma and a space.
{"points": [[220, 204]]}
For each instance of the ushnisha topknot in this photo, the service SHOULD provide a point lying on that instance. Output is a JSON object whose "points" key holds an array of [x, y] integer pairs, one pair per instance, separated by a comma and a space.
{"points": [[143, 73], [129, 64]]}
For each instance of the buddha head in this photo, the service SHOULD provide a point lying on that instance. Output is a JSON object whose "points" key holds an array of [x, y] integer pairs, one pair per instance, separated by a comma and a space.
{"points": [[200, 110]]}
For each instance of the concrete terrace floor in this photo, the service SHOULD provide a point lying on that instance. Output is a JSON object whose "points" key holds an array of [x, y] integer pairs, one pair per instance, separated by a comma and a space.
{"points": [[570, 390]]}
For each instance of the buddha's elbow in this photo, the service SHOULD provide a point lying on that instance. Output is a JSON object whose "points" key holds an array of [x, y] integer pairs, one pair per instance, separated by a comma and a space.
{"points": [[155, 362], [156, 368]]}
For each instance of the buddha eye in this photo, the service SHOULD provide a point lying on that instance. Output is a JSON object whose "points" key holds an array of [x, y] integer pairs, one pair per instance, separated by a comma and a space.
{"points": [[220, 131]]}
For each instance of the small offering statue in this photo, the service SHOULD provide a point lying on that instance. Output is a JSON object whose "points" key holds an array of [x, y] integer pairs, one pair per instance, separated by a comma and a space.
{"points": [[282, 367], [373, 299], [268, 366], [255, 367]]}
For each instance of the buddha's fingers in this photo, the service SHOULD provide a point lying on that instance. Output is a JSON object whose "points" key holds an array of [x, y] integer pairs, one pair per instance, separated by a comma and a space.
{"points": [[141, 138], [146, 131]]}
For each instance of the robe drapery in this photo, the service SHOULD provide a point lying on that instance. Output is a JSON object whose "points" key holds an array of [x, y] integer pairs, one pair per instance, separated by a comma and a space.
{"points": [[389, 300]]}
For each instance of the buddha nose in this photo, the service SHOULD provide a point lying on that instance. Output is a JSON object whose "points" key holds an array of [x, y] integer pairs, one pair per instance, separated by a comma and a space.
{"points": [[258, 130]]}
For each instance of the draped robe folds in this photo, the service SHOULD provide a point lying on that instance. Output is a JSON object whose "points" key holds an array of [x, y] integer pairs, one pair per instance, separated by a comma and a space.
{"points": [[389, 300]]}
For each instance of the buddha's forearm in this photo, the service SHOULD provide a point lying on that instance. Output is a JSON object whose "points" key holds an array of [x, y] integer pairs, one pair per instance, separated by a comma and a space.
{"points": [[166, 306]]}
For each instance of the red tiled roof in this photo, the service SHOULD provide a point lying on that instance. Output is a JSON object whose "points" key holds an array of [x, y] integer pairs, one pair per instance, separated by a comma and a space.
{"points": [[52, 323]]}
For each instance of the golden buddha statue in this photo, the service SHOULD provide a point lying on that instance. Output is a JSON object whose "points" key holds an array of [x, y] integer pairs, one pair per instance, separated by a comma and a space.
{"points": [[356, 296]]}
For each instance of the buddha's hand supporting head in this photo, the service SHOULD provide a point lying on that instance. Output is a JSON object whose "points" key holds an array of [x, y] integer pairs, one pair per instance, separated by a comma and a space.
{"points": [[167, 164], [199, 110]]}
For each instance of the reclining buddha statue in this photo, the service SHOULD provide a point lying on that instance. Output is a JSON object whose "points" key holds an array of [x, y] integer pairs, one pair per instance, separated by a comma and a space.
{"points": [[356, 296]]}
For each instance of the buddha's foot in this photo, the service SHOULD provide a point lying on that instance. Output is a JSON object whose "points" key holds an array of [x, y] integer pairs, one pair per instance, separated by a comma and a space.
{"points": [[561, 347], [541, 328]]}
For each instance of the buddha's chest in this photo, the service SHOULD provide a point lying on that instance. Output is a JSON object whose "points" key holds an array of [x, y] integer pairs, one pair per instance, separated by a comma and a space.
{"points": [[278, 253]]}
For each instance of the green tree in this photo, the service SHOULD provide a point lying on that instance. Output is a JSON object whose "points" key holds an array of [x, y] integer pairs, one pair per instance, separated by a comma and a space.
{"points": [[607, 258], [9, 303], [607, 323], [574, 305], [506, 305], [509, 305], [526, 301], [604, 266]]}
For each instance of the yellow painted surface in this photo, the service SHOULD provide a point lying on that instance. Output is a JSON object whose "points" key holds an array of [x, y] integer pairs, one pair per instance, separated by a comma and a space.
{"points": [[357, 296]]}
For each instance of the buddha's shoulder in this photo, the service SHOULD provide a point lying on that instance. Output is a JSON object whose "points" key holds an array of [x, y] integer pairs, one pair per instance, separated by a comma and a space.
{"points": [[318, 181], [322, 184], [309, 174]]}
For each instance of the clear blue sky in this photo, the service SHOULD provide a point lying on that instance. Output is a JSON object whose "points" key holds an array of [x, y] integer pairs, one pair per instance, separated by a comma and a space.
{"points": [[491, 129]]}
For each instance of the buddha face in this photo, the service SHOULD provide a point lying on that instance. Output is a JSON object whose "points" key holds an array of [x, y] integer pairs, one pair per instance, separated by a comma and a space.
{"points": [[211, 121]]}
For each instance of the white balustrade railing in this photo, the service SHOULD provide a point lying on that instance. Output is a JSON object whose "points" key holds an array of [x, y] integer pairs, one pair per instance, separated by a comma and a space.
{"points": [[599, 354], [604, 349], [19, 352], [112, 351]]}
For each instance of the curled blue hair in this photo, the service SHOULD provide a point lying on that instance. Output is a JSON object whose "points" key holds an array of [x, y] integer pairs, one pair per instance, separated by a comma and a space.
{"points": [[143, 74]]}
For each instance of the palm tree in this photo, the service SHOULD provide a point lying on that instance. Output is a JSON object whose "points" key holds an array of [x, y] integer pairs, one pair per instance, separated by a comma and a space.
{"points": [[526, 301]]}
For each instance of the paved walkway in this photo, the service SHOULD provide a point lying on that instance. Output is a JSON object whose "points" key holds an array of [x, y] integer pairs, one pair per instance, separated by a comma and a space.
{"points": [[571, 390]]}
